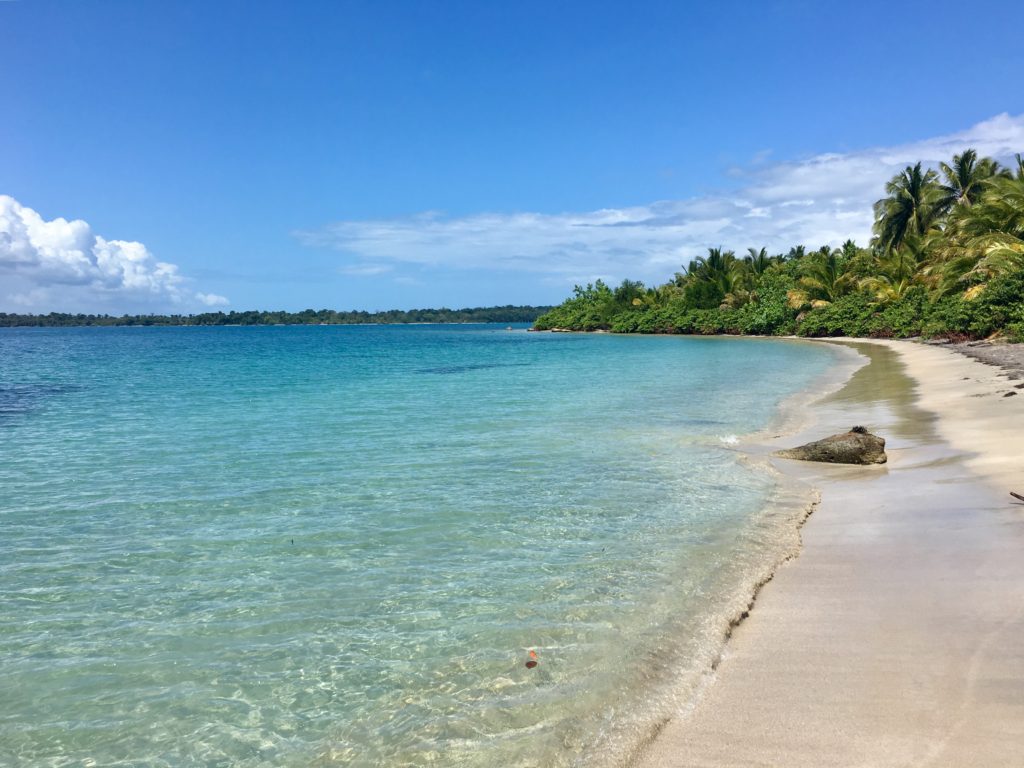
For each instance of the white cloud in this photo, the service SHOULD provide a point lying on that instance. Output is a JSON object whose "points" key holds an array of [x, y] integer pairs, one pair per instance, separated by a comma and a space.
{"points": [[63, 265], [212, 300], [823, 199], [365, 270], [33, 297]]}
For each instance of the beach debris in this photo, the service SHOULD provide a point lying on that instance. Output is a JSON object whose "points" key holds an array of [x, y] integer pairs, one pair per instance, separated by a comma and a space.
{"points": [[1017, 496], [858, 446], [532, 661]]}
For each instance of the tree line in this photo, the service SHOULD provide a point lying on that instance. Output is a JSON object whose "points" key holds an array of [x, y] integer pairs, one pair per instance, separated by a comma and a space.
{"points": [[505, 314], [946, 260]]}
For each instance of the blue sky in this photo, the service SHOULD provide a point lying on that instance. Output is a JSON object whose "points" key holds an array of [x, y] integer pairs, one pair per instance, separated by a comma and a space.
{"points": [[373, 155]]}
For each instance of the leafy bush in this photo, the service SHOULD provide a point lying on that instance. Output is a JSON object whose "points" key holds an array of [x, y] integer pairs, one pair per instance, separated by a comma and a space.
{"points": [[701, 295], [999, 306], [766, 310], [589, 309], [900, 319], [849, 316], [949, 316], [770, 312]]}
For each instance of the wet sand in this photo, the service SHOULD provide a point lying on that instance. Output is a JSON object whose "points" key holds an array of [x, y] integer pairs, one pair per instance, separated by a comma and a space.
{"points": [[896, 638]]}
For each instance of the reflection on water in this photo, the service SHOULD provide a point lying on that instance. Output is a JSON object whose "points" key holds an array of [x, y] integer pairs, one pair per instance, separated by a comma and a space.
{"points": [[882, 388]]}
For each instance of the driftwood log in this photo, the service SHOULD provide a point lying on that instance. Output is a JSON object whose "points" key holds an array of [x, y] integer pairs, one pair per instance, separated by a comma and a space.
{"points": [[1017, 496]]}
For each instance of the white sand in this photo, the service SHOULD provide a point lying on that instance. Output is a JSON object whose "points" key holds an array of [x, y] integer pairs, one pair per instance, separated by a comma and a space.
{"points": [[975, 414], [896, 638]]}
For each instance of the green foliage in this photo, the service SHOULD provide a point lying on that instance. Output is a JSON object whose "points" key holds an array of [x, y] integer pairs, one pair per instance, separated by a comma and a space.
{"points": [[507, 314], [849, 316], [1000, 306], [713, 277], [824, 276], [949, 316], [912, 205], [965, 180], [770, 313], [590, 309], [947, 260], [901, 318], [704, 295]]}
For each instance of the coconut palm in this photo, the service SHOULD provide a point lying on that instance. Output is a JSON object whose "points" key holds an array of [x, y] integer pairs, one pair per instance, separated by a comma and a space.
{"points": [[909, 207], [713, 277], [628, 291], [984, 240], [719, 268], [824, 278], [1019, 172], [849, 250], [994, 228], [758, 261], [965, 180], [896, 272], [796, 253], [749, 272]]}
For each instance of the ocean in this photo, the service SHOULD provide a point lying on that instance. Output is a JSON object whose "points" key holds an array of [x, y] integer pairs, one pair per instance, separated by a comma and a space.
{"points": [[338, 545]]}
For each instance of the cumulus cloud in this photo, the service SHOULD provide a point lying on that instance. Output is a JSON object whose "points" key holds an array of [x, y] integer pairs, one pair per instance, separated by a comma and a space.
{"points": [[212, 300], [61, 264], [818, 200]]}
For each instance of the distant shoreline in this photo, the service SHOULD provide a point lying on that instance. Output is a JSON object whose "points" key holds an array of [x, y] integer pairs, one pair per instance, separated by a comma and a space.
{"points": [[500, 314], [280, 325]]}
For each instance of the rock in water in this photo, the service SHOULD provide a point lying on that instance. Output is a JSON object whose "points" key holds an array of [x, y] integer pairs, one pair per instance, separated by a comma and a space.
{"points": [[858, 446]]}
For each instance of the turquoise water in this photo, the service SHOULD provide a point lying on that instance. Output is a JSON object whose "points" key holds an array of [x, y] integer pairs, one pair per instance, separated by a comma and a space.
{"points": [[337, 545]]}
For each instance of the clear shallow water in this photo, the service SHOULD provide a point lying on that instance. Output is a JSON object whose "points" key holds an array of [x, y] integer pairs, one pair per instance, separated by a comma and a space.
{"points": [[336, 545]]}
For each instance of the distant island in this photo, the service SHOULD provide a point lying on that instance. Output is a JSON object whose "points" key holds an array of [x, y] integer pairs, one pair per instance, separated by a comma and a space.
{"points": [[946, 260], [506, 314]]}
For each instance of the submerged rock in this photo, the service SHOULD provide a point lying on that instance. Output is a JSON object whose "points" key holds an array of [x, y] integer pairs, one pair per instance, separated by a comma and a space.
{"points": [[858, 446]]}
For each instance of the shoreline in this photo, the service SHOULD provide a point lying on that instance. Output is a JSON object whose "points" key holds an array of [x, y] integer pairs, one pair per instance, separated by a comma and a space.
{"points": [[778, 524], [774, 699]]}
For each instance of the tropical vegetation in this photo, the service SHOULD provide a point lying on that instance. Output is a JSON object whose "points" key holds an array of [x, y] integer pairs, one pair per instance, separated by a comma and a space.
{"points": [[506, 314], [946, 260]]}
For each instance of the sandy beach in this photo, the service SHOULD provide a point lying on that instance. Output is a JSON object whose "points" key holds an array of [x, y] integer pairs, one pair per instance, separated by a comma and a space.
{"points": [[896, 637]]}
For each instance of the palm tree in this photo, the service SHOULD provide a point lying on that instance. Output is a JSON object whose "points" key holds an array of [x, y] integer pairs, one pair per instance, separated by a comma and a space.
{"points": [[718, 267], [1019, 174], [796, 253], [896, 272], [713, 277], [984, 240], [824, 278], [965, 180], [748, 273], [628, 291], [910, 206], [758, 261]]}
